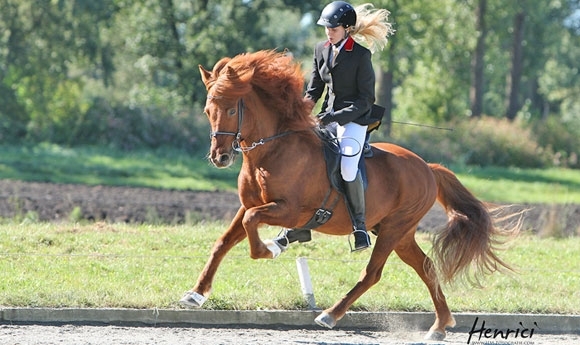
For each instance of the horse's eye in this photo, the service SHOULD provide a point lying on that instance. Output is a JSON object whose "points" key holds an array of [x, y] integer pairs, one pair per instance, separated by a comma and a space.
{"points": [[231, 112]]}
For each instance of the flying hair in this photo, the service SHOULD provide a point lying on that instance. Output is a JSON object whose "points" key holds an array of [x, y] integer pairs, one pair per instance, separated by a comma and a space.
{"points": [[372, 27]]}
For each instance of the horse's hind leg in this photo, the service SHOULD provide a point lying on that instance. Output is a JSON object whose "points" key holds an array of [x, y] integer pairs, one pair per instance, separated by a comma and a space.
{"points": [[369, 276], [410, 252], [232, 236]]}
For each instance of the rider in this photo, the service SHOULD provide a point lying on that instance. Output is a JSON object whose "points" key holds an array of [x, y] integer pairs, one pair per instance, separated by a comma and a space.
{"points": [[343, 67]]}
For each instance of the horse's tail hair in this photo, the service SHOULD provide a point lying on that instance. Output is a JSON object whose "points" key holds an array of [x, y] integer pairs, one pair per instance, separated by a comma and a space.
{"points": [[466, 246]]}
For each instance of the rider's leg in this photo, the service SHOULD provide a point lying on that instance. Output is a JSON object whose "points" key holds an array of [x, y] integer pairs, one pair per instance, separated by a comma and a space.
{"points": [[356, 197], [352, 137]]}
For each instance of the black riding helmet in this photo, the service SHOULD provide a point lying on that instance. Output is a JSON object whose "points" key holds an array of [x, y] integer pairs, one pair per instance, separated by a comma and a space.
{"points": [[337, 13]]}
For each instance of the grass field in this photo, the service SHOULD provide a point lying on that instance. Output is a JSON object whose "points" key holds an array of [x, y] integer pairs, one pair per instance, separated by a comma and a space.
{"points": [[145, 266], [106, 265], [171, 169], [162, 168]]}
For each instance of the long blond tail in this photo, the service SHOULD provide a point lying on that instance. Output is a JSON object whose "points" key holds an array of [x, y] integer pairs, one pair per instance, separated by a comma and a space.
{"points": [[467, 246], [372, 27]]}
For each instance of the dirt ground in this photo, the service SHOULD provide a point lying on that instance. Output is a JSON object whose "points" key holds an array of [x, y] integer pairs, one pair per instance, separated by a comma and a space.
{"points": [[106, 335], [61, 202]]}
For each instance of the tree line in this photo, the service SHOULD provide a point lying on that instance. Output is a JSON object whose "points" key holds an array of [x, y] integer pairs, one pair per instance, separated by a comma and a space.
{"points": [[124, 73]]}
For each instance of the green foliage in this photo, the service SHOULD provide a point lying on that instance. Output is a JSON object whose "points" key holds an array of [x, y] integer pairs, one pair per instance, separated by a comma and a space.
{"points": [[498, 142], [125, 74], [481, 142], [495, 142], [562, 138]]}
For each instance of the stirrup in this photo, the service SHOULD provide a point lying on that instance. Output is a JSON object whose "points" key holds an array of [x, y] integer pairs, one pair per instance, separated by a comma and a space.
{"points": [[367, 150], [282, 237], [287, 236], [360, 246]]}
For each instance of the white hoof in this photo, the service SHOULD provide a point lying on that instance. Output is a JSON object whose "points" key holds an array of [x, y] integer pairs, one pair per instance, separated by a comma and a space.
{"points": [[274, 248], [192, 299], [435, 336], [325, 320]]}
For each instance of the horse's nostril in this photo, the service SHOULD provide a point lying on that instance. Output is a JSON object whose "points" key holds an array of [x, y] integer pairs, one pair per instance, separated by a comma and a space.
{"points": [[224, 158]]}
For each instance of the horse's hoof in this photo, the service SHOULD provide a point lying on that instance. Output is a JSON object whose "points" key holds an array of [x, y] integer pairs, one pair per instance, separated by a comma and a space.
{"points": [[273, 248], [435, 336], [325, 320], [192, 299]]}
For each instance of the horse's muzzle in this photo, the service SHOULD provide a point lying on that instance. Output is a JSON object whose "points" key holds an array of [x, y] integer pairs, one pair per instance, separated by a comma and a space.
{"points": [[222, 159]]}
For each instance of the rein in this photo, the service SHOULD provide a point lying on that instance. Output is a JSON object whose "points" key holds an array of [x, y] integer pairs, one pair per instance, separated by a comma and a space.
{"points": [[236, 144]]}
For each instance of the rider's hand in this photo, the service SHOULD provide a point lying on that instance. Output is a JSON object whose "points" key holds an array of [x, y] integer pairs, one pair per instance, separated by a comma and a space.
{"points": [[325, 118]]}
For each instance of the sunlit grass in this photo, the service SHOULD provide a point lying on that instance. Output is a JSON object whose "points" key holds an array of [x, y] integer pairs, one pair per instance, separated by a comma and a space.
{"points": [[162, 168], [115, 265], [560, 186]]}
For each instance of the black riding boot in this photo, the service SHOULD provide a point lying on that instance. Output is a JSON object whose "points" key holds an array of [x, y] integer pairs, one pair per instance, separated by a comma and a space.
{"points": [[287, 236], [355, 195]]}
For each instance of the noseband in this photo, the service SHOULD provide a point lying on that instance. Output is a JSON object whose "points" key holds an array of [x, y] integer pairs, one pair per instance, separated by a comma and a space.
{"points": [[236, 144]]}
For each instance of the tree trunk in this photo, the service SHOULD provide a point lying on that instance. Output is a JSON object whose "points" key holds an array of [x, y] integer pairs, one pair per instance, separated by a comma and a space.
{"points": [[169, 13], [514, 78], [386, 99], [477, 62], [386, 86]]}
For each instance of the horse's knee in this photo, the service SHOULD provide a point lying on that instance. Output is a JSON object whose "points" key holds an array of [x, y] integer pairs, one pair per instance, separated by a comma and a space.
{"points": [[371, 276]]}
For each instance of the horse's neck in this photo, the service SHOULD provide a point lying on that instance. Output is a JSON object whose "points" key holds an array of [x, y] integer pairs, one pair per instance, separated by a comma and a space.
{"points": [[287, 150]]}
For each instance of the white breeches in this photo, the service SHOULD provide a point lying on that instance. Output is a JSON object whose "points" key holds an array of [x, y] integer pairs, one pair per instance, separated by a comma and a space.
{"points": [[351, 138]]}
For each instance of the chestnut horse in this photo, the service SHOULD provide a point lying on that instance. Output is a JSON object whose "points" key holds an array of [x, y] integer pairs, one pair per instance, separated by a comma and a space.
{"points": [[255, 107]]}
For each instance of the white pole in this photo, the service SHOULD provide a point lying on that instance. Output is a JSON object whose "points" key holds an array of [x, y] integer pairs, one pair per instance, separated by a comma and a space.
{"points": [[305, 283]]}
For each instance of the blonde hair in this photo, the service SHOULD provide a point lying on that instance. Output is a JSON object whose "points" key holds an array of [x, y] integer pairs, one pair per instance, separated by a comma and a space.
{"points": [[372, 27]]}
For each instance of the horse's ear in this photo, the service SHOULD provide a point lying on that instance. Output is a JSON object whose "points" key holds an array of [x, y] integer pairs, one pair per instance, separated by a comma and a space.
{"points": [[205, 75], [243, 75], [231, 73]]}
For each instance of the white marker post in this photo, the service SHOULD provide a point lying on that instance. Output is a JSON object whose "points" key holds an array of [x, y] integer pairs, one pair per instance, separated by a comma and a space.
{"points": [[305, 283]]}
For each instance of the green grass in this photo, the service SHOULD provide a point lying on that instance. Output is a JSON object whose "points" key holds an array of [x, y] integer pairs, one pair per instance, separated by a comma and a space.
{"points": [[162, 168], [560, 186], [110, 265], [173, 169]]}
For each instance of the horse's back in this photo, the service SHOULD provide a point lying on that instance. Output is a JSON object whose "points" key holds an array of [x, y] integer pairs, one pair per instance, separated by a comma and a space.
{"points": [[400, 180]]}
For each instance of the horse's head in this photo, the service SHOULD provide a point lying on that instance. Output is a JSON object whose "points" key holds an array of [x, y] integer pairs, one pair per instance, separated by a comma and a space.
{"points": [[224, 109], [270, 84]]}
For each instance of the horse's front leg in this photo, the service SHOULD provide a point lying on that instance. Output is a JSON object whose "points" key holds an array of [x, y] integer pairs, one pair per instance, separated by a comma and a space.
{"points": [[232, 236], [270, 213]]}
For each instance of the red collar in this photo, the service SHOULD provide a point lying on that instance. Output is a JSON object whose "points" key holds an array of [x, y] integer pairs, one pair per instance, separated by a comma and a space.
{"points": [[348, 45]]}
